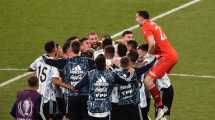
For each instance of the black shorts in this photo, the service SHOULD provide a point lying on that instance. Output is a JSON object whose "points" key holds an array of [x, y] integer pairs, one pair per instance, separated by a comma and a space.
{"points": [[148, 99], [167, 95], [76, 107], [50, 109], [145, 110], [61, 106], [115, 111], [129, 112], [94, 118]]}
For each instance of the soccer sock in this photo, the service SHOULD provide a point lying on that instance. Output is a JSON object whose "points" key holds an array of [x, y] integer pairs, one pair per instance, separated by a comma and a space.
{"points": [[156, 95]]}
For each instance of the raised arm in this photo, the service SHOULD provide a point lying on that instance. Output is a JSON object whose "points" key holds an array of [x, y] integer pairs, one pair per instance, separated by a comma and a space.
{"points": [[121, 81], [144, 69], [83, 82], [58, 63], [150, 40]]}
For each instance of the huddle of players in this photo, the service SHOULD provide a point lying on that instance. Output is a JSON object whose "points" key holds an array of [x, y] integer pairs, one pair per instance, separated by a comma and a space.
{"points": [[92, 80]]}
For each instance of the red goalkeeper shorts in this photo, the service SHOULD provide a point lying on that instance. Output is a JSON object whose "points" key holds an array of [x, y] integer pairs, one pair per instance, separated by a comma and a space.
{"points": [[163, 66]]}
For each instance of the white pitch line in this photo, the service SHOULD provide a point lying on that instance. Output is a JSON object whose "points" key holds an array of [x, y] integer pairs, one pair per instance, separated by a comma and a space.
{"points": [[13, 69], [15, 79], [192, 75], [159, 16], [116, 35]]}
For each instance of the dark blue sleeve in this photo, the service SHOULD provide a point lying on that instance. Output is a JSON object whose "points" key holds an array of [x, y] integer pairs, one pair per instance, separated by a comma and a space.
{"points": [[119, 80], [91, 64], [59, 63], [83, 82], [144, 69], [13, 110]]}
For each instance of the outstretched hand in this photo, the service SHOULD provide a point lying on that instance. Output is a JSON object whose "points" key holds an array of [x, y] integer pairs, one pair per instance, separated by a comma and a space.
{"points": [[71, 87]]}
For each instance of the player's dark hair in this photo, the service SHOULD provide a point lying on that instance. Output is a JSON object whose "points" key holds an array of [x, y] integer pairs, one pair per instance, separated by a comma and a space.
{"points": [[133, 55], [133, 44], [110, 50], [49, 46], [32, 81], [144, 47], [75, 46], [57, 45], [83, 40], [124, 62], [98, 45], [66, 46], [126, 32], [67, 43], [100, 62], [88, 53], [70, 39], [107, 41], [144, 14], [121, 50]]}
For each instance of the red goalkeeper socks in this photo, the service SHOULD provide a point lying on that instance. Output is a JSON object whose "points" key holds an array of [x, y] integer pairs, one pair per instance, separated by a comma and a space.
{"points": [[156, 95]]}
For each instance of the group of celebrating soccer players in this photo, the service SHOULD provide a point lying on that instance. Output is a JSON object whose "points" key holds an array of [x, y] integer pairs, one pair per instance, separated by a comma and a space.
{"points": [[94, 78]]}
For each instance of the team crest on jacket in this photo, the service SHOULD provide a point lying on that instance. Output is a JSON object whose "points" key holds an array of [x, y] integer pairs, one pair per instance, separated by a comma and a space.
{"points": [[76, 73], [101, 87], [101, 82], [25, 108]]}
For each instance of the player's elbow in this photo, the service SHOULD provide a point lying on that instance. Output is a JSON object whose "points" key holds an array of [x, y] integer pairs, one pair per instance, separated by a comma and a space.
{"points": [[151, 41], [30, 69]]}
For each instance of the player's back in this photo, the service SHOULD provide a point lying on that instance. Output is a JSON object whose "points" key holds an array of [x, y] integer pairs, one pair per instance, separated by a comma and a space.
{"points": [[99, 79], [129, 93], [162, 45], [75, 69], [45, 73], [100, 88], [29, 98]]}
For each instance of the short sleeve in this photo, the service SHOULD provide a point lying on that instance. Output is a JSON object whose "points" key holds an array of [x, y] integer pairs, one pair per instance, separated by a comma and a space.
{"points": [[33, 65]]}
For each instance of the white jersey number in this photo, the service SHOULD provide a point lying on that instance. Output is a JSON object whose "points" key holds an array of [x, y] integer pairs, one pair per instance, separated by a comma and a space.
{"points": [[162, 34]]}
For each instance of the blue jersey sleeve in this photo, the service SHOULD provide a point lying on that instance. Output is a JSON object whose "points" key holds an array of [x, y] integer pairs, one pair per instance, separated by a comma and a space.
{"points": [[59, 63], [144, 69], [83, 82], [119, 80], [91, 64]]}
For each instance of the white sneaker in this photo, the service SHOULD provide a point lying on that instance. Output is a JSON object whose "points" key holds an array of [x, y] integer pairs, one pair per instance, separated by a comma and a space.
{"points": [[160, 114], [163, 118], [149, 118]]}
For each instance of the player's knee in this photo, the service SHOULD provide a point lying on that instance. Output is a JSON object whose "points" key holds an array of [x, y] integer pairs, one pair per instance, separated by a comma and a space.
{"points": [[148, 81], [174, 59], [152, 76]]}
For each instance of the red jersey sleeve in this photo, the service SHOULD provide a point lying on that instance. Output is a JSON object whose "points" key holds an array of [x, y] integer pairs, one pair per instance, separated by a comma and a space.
{"points": [[146, 34]]}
